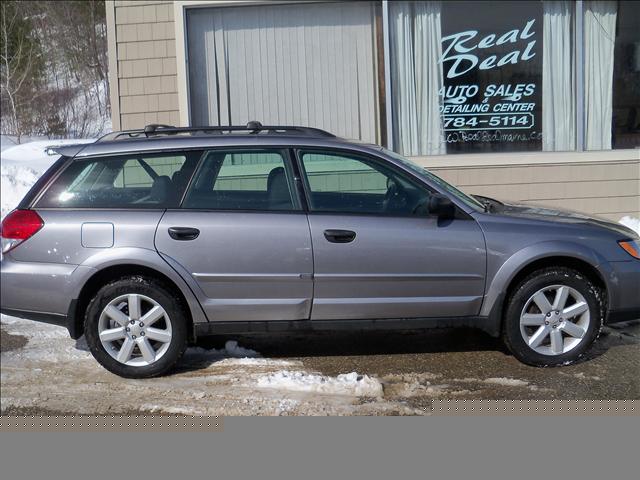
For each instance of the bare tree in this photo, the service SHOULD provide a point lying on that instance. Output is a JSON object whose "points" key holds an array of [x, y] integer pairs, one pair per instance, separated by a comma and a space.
{"points": [[76, 61], [54, 68], [20, 69]]}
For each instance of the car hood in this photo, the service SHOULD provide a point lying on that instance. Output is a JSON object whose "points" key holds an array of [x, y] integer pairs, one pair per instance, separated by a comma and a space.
{"points": [[534, 212]]}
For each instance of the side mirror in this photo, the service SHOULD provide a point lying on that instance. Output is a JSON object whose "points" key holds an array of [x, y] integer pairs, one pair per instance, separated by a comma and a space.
{"points": [[441, 206]]}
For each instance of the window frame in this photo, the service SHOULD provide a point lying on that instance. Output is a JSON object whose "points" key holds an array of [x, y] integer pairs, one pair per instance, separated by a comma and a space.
{"points": [[356, 155], [289, 163], [70, 161]]}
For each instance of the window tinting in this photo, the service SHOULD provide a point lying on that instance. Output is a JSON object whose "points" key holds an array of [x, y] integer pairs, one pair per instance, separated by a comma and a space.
{"points": [[241, 180], [126, 181], [343, 183]]}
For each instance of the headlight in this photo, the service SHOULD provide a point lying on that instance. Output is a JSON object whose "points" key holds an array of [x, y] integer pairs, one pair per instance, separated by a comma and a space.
{"points": [[632, 247]]}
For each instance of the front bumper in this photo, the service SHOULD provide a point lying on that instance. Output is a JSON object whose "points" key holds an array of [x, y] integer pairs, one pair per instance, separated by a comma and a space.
{"points": [[622, 315], [624, 291]]}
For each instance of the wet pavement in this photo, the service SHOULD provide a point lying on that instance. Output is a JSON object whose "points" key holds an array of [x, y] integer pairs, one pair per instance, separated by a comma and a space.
{"points": [[463, 359], [396, 373]]}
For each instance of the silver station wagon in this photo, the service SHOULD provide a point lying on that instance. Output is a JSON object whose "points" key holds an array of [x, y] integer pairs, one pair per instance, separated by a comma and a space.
{"points": [[148, 239]]}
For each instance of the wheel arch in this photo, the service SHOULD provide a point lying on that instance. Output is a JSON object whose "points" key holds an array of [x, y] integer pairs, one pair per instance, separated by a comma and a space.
{"points": [[540, 255], [108, 273], [497, 308]]}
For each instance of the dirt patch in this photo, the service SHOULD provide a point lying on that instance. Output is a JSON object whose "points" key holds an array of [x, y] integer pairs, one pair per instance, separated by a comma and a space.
{"points": [[13, 411], [10, 342]]}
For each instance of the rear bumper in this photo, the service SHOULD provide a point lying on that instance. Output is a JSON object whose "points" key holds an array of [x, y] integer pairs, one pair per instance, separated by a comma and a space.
{"points": [[43, 292], [36, 287]]}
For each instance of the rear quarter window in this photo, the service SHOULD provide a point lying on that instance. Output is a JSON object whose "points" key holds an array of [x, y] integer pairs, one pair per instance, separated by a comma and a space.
{"points": [[124, 181]]}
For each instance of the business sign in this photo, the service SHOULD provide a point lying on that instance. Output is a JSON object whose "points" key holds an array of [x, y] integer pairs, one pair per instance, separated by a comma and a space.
{"points": [[492, 84]]}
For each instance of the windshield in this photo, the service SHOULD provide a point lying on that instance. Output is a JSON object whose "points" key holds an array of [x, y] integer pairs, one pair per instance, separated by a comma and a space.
{"points": [[467, 199]]}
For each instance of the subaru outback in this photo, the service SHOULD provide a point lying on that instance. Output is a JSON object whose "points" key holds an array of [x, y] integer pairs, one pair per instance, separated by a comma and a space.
{"points": [[148, 239]]}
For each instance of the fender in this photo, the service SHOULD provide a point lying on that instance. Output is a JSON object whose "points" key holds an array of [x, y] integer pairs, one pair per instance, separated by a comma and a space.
{"points": [[500, 282], [136, 256]]}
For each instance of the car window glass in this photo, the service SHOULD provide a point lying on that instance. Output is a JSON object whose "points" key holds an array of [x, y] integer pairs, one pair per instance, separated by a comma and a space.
{"points": [[243, 180], [133, 173], [123, 181], [341, 182]]}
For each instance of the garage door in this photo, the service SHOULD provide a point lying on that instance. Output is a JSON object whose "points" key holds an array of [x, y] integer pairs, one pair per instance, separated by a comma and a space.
{"points": [[309, 65]]}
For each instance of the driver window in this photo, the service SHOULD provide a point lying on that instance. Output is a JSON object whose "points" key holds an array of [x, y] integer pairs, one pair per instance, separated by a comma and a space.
{"points": [[340, 182]]}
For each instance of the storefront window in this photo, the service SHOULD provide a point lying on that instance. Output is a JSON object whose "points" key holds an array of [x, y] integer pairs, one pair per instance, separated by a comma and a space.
{"points": [[479, 76], [492, 74], [469, 77], [626, 77]]}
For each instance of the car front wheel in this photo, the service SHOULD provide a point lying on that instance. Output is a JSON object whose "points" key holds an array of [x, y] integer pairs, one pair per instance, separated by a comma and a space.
{"points": [[136, 328], [553, 316]]}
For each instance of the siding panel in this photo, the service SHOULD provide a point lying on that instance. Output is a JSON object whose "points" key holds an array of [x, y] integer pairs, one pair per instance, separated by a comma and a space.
{"points": [[145, 48], [611, 189]]}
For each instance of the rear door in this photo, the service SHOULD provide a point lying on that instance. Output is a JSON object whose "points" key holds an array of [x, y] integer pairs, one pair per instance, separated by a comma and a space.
{"points": [[377, 251], [243, 238]]}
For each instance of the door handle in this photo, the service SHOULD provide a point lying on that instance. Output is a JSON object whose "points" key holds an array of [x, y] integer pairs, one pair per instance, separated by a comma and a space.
{"points": [[339, 236], [183, 233]]}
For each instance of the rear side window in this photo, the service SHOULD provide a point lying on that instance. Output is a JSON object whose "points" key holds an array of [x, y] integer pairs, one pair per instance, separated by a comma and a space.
{"points": [[127, 181], [243, 180]]}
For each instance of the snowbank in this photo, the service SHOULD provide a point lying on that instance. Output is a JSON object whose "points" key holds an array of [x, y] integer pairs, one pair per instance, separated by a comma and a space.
{"points": [[34, 154], [22, 165], [15, 182], [345, 384], [632, 223]]}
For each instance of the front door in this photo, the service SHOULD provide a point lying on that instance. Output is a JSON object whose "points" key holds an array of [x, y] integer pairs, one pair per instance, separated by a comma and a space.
{"points": [[243, 238], [377, 252]]}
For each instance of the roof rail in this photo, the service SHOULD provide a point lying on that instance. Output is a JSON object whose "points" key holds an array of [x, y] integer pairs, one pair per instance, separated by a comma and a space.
{"points": [[253, 127]]}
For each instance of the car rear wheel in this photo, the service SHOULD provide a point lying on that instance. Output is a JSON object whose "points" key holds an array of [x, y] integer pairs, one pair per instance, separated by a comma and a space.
{"points": [[553, 316], [136, 328]]}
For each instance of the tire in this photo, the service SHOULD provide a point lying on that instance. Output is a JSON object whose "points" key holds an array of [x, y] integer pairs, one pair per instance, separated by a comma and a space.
{"points": [[148, 350], [541, 336]]}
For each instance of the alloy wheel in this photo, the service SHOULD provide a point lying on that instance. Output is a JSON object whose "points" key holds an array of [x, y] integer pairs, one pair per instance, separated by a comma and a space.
{"points": [[135, 330], [554, 320]]}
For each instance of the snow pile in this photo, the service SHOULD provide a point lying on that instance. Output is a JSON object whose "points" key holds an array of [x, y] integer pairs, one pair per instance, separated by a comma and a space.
{"points": [[34, 154], [22, 165], [345, 384], [6, 142], [15, 183], [632, 223], [506, 382]]}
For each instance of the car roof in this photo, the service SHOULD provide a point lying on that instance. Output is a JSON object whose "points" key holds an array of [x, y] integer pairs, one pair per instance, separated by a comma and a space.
{"points": [[156, 138]]}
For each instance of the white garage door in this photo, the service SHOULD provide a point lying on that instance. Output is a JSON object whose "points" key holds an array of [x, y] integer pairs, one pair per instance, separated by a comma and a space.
{"points": [[310, 65]]}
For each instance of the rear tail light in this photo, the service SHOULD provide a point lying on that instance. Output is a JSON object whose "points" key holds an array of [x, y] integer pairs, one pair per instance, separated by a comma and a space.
{"points": [[17, 227]]}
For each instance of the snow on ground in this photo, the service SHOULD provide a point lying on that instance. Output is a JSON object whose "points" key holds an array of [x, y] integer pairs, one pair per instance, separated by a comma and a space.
{"points": [[22, 165], [511, 382], [344, 384], [55, 371], [632, 223]]}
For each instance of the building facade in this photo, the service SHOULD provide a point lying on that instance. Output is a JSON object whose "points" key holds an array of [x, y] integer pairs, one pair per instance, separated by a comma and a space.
{"points": [[529, 101]]}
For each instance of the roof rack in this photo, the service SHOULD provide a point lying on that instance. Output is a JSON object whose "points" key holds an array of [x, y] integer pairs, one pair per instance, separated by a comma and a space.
{"points": [[253, 127]]}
